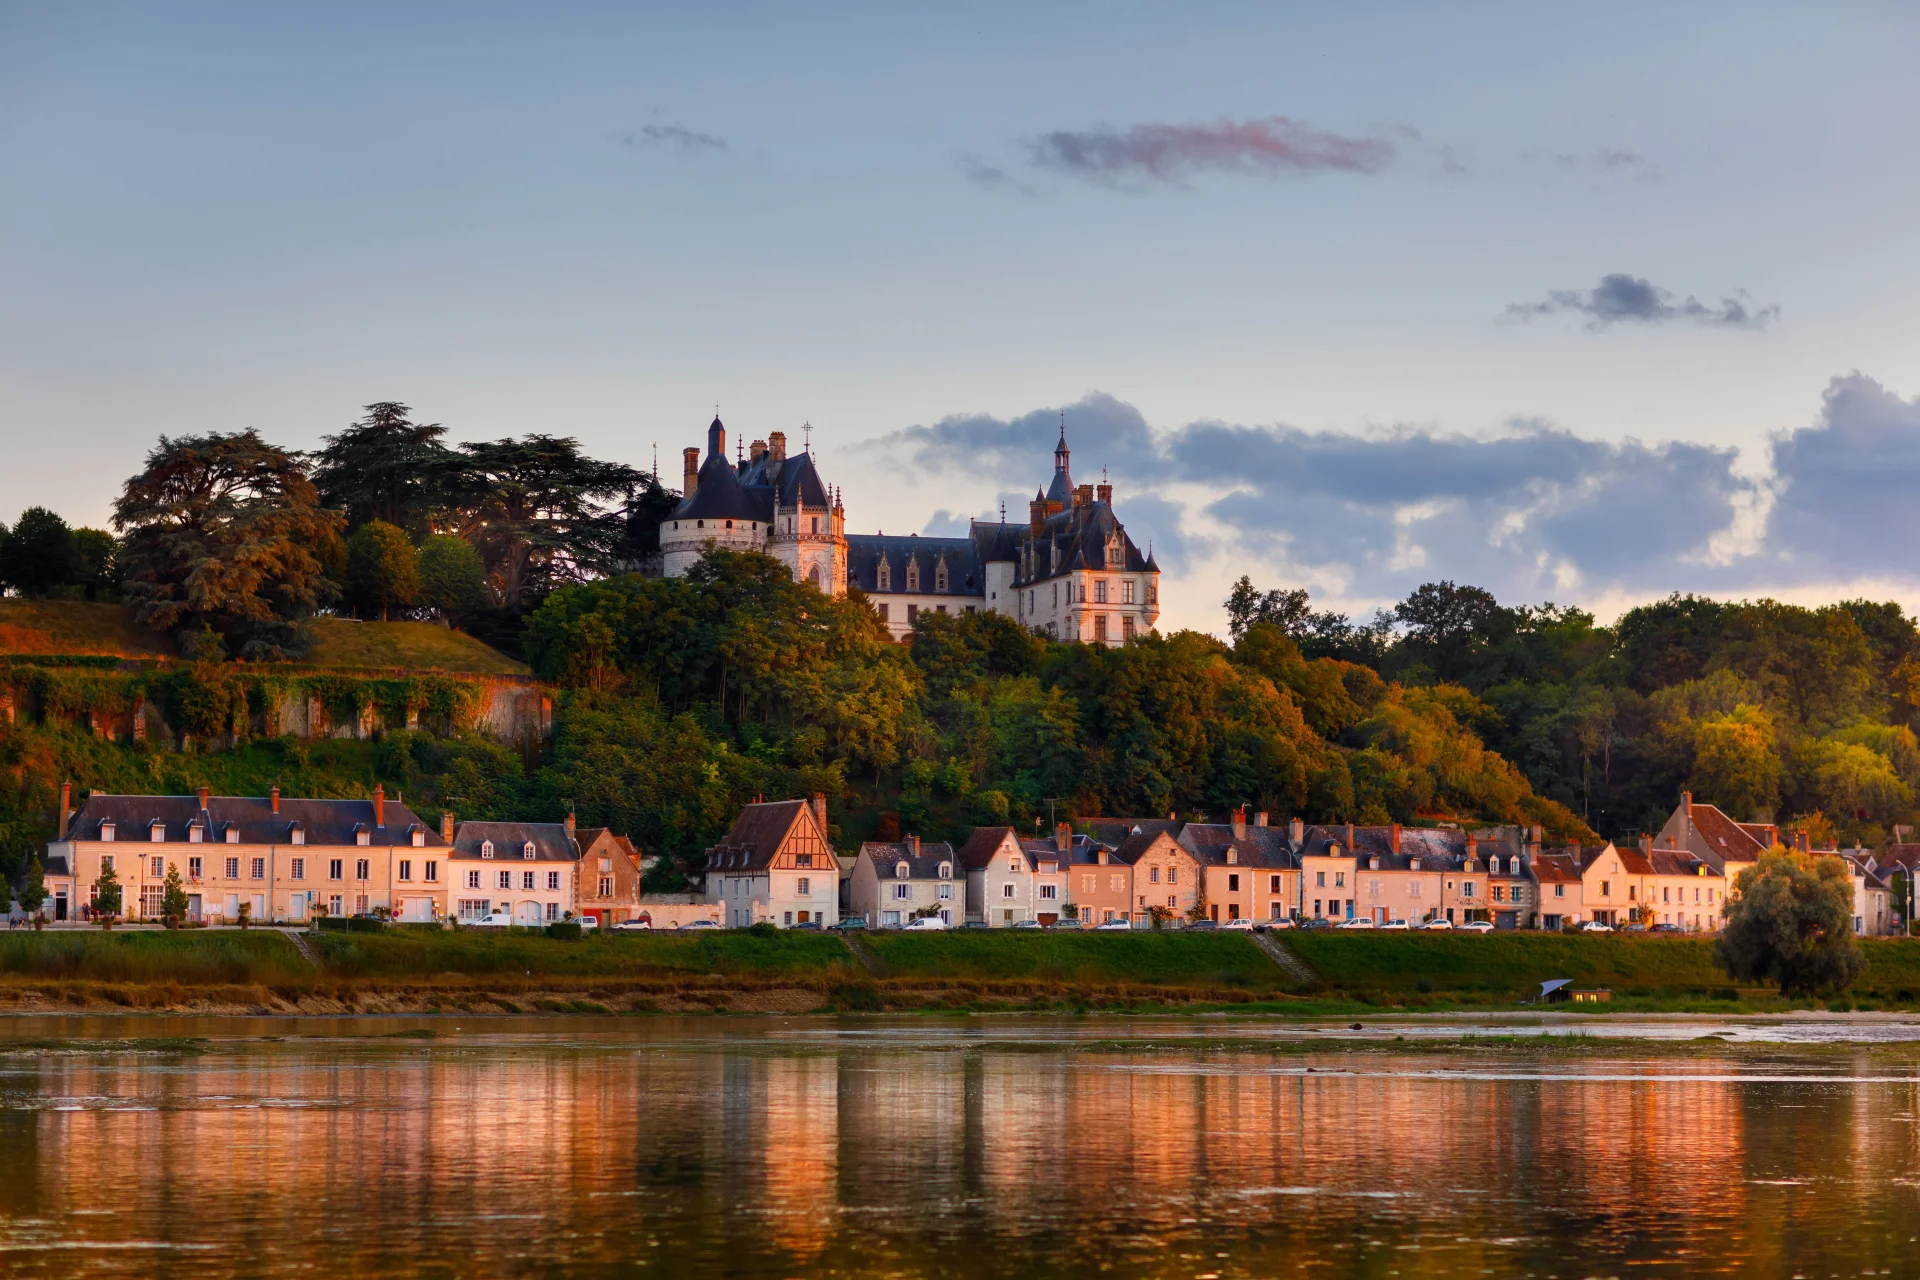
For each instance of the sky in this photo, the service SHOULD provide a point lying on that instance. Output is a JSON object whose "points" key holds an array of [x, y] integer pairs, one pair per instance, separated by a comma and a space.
{"points": [[1587, 304]]}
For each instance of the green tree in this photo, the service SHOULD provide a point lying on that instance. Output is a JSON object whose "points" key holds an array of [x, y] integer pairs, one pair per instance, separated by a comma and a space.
{"points": [[6, 896], [173, 898], [387, 467], [106, 896], [453, 577], [33, 889], [1791, 923], [220, 532], [96, 563], [37, 553], [1735, 764], [381, 571]]}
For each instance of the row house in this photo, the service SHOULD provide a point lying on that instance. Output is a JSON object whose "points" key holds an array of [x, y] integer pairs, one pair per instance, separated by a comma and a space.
{"points": [[897, 881], [775, 865], [525, 870], [1011, 881], [1558, 888], [1251, 870]]}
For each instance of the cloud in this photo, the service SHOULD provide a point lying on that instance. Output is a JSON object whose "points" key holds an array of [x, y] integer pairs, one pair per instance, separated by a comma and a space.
{"points": [[990, 177], [1845, 486], [1621, 298], [1167, 153], [1608, 159], [677, 136]]}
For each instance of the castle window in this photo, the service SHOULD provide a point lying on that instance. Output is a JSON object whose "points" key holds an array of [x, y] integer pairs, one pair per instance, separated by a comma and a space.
{"points": [[884, 577], [1100, 591], [1153, 593], [729, 524], [699, 524], [940, 578], [1126, 627], [816, 524], [913, 575], [1116, 554], [1100, 628], [1126, 591], [883, 611], [913, 614]]}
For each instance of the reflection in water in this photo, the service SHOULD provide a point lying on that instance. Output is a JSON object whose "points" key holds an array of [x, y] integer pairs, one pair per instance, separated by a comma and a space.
{"points": [[801, 1148]]}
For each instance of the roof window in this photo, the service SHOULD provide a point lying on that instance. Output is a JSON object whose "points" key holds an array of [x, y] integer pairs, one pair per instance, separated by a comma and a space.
{"points": [[486, 848], [157, 831], [901, 870], [233, 833], [526, 850], [106, 829]]}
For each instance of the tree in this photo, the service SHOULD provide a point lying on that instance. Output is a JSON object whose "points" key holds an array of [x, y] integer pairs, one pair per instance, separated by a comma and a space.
{"points": [[381, 572], [33, 889], [537, 510], [96, 563], [220, 534], [173, 898], [37, 554], [1791, 923], [1735, 764], [453, 577], [106, 896], [1448, 624], [387, 467], [6, 897], [1247, 606]]}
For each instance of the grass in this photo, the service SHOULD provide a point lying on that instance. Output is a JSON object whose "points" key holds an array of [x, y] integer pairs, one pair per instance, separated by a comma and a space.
{"points": [[47, 627], [416, 954], [1506, 963], [410, 646], [195, 957], [1144, 958]]}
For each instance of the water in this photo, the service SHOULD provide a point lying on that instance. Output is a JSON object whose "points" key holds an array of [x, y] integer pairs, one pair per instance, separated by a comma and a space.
{"points": [[963, 1147]]}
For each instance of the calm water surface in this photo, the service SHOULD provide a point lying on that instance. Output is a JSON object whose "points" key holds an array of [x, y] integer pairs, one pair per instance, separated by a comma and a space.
{"points": [[917, 1147]]}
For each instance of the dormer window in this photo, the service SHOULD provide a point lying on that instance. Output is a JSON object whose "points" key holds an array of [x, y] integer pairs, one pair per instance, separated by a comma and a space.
{"points": [[419, 837], [526, 850], [233, 833], [486, 848], [106, 830], [901, 870], [940, 576], [196, 834], [913, 575], [1413, 864], [1116, 554], [362, 836], [946, 871], [297, 834], [884, 577], [1233, 856], [157, 831], [1373, 863]]}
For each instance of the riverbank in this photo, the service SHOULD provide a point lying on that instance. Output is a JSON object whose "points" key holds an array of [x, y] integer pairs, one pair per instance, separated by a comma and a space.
{"points": [[420, 971]]}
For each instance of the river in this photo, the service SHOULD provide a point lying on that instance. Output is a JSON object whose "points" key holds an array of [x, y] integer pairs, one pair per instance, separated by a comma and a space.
{"points": [[964, 1147]]}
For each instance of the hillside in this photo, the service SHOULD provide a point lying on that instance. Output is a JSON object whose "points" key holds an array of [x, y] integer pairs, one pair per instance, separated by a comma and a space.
{"points": [[65, 628]]}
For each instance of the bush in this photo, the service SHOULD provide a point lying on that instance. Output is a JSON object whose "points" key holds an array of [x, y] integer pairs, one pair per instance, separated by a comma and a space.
{"points": [[564, 930]]}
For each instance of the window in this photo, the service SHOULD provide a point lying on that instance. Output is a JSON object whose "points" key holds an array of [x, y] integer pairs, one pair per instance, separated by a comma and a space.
{"points": [[1319, 879], [1559, 891], [902, 891], [1606, 888], [946, 871], [257, 869], [196, 833], [233, 868], [1466, 890], [946, 890], [553, 911], [473, 879], [1006, 891], [553, 879], [159, 867], [419, 837], [506, 880], [193, 868], [805, 887], [1126, 591], [361, 869], [526, 880], [1126, 627], [157, 832], [1273, 885], [1373, 888], [913, 575], [433, 872], [486, 848], [1099, 590], [298, 833], [363, 837], [1100, 627], [526, 851], [333, 905], [803, 860], [233, 834], [1050, 891], [297, 868], [899, 871], [883, 611], [1233, 884], [883, 578], [1153, 875], [913, 614], [1173, 875], [333, 869], [1499, 894], [406, 868], [606, 886], [106, 831], [1339, 879], [940, 577], [816, 524]]}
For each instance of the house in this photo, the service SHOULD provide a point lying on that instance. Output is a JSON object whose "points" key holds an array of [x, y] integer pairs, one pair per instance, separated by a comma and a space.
{"points": [[524, 869], [1326, 872], [1872, 900], [1612, 882], [775, 865], [609, 877], [1708, 834], [1400, 875], [1099, 885], [1010, 880], [1686, 890], [278, 858], [1512, 895], [1558, 888], [896, 881], [1251, 871]]}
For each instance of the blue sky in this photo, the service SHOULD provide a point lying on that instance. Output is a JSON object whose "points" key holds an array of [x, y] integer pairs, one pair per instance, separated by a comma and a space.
{"points": [[1347, 296]]}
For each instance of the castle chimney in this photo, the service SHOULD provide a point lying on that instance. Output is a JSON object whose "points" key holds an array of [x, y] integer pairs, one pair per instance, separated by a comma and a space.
{"points": [[1396, 837], [777, 445], [273, 798], [202, 793], [692, 480], [1240, 823], [1062, 837], [446, 825], [755, 449], [1104, 492], [820, 812], [1036, 516], [66, 809], [1083, 496]]}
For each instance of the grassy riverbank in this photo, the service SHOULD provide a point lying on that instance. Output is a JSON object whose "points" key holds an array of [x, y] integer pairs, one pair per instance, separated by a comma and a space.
{"points": [[416, 970]]}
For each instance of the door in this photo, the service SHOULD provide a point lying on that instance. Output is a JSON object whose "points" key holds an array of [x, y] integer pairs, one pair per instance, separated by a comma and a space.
{"points": [[297, 907], [259, 906], [60, 906], [233, 906], [193, 907], [527, 913]]}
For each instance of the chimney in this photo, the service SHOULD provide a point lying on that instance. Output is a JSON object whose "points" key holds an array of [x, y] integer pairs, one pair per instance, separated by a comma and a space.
{"points": [[1260, 818], [1240, 823], [755, 449], [379, 805], [1083, 496], [1062, 837], [1803, 841], [273, 798], [1535, 833], [777, 445], [1104, 493], [692, 480], [915, 840], [1686, 804], [1646, 843], [820, 812], [1473, 846], [570, 824], [446, 825], [1297, 830], [1349, 837], [1396, 837], [66, 809], [201, 792], [1036, 516]]}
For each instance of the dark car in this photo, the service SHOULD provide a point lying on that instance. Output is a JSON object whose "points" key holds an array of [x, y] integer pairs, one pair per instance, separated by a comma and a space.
{"points": [[1666, 928], [806, 924], [852, 922], [976, 924], [1065, 924], [1203, 924], [1318, 922]]}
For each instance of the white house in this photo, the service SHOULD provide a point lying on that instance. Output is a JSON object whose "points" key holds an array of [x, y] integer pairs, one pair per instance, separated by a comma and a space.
{"points": [[527, 869], [776, 865], [894, 881]]}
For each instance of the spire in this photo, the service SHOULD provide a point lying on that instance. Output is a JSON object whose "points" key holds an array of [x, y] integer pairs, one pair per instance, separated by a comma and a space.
{"points": [[1060, 450], [716, 438]]}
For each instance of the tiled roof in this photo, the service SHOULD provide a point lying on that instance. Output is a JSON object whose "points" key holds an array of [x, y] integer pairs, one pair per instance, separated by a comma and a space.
{"points": [[1725, 838], [1679, 862], [980, 847], [324, 822], [887, 855], [1561, 867], [1137, 846], [755, 836], [550, 841]]}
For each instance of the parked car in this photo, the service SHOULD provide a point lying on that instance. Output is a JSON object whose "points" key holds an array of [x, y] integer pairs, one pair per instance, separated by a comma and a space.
{"points": [[976, 924], [634, 926], [1113, 926], [1026, 924], [492, 920], [1477, 926], [1202, 924], [1395, 924], [1239, 924], [1438, 922], [852, 922], [812, 925], [1358, 922], [925, 924], [587, 923], [697, 924], [1067, 924], [1595, 926], [1318, 922], [1666, 928], [1267, 926], [1634, 927]]}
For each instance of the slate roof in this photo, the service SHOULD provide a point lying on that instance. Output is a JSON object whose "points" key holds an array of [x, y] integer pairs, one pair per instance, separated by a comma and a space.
{"points": [[791, 480], [1116, 831], [1725, 838], [1136, 846], [1680, 862], [55, 864], [887, 855], [726, 490], [1562, 867], [866, 551], [550, 841], [755, 836], [1076, 539], [325, 822], [719, 495], [980, 847], [1260, 847]]}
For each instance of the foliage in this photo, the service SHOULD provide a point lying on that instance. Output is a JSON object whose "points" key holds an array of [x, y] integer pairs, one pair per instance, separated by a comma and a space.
{"points": [[381, 574], [95, 566], [173, 897], [453, 578], [33, 887], [220, 533], [1791, 922], [386, 468], [106, 894], [37, 554]]}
